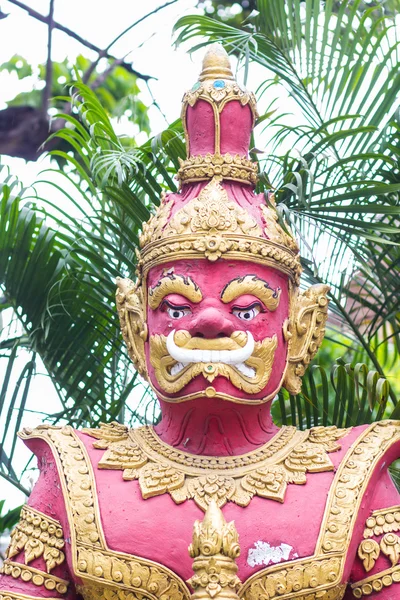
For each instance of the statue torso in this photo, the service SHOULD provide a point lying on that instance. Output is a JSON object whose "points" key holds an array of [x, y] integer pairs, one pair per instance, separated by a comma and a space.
{"points": [[302, 541]]}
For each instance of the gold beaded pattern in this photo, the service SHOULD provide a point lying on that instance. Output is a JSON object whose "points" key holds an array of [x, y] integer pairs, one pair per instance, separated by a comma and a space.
{"points": [[20, 571]]}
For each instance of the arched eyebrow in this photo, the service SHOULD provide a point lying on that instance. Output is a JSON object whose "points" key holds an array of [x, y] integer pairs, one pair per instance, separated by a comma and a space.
{"points": [[174, 284], [251, 284]]}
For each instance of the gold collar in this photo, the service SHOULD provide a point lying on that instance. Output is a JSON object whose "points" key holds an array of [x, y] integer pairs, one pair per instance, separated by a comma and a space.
{"points": [[265, 472]]}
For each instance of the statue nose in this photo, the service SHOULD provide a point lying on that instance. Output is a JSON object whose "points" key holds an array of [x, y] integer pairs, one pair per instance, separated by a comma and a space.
{"points": [[211, 323]]}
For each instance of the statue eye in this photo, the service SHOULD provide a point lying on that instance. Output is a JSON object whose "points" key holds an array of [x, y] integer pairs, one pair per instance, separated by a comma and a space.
{"points": [[178, 312], [247, 314]]}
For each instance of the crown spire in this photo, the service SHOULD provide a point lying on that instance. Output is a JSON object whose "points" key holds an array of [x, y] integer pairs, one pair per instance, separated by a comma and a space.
{"points": [[216, 64]]}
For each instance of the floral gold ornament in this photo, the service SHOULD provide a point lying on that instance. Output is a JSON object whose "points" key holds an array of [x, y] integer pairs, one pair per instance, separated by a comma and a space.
{"points": [[266, 472], [212, 213], [38, 536], [251, 284], [390, 546], [130, 306], [369, 551], [227, 166], [211, 226], [215, 548]]}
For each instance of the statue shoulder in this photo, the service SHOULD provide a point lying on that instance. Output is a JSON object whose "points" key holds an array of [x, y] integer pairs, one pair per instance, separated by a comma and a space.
{"points": [[376, 566]]}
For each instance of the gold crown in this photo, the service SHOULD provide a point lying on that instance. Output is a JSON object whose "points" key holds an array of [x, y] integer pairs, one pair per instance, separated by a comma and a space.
{"points": [[212, 226]]}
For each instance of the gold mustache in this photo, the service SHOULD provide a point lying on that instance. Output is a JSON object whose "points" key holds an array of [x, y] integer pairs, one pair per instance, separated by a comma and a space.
{"points": [[183, 339], [260, 362]]}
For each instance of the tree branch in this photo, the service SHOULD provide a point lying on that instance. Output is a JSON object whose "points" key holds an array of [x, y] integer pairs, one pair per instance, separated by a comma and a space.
{"points": [[49, 64], [104, 52], [71, 33]]}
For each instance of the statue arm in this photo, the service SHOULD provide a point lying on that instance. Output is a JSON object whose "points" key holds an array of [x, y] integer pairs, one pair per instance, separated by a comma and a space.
{"points": [[376, 568], [36, 564]]}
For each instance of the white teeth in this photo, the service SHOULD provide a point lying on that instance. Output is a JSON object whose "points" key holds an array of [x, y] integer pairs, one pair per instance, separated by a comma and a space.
{"points": [[177, 368], [245, 370], [229, 357]]}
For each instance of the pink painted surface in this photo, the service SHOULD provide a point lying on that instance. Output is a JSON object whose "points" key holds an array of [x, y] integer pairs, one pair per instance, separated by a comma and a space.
{"points": [[236, 124], [215, 427], [201, 128], [235, 128], [211, 318]]}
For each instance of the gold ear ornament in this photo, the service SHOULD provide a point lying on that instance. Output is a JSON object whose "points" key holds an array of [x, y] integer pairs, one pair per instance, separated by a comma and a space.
{"points": [[305, 332], [130, 306]]}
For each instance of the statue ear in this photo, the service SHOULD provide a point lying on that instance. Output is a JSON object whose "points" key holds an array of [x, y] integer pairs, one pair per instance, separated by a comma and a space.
{"points": [[306, 331], [131, 313]]}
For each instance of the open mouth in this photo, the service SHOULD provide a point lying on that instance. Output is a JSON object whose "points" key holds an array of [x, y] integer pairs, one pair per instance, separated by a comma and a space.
{"points": [[242, 367], [234, 351], [179, 358]]}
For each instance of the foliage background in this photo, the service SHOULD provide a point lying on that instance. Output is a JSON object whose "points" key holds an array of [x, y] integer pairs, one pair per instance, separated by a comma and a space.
{"points": [[328, 133]]}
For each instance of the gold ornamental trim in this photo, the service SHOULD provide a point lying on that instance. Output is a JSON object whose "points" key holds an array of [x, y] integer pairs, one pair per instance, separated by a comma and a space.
{"points": [[215, 246], [265, 472], [37, 535], [386, 520], [37, 577], [102, 571], [376, 582], [228, 166], [11, 595]]}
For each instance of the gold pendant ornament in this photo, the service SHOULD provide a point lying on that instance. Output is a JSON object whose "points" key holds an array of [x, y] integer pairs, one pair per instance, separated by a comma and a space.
{"points": [[266, 472], [215, 548]]}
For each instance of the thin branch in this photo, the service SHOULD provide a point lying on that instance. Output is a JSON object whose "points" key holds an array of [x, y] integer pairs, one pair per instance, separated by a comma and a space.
{"points": [[15, 483], [139, 21], [104, 53], [49, 64], [71, 33]]}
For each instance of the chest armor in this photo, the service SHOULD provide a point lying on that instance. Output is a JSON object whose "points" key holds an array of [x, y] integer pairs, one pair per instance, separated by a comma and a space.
{"points": [[129, 539]]}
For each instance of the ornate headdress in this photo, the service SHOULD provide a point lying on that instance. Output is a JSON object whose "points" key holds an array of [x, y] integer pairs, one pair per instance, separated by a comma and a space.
{"points": [[216, 214]]}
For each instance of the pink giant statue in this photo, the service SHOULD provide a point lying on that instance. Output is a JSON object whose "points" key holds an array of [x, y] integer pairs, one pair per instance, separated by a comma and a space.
{"points": [[217, 325]]}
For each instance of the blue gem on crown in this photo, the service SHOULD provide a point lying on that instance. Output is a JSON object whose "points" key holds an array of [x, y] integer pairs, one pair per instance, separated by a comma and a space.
{"points": [[219, 84]]}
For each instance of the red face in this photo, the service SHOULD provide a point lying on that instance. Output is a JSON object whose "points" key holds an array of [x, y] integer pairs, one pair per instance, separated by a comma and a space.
{"points": [[228, 318]]}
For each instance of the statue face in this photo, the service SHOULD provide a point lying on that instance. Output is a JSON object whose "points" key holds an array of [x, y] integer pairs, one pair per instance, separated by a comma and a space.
{"points": [[216, 329]]}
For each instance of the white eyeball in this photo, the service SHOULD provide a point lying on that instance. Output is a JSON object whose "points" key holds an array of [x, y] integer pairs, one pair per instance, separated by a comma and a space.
{"points": [[246, 314], [178, 313]]}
